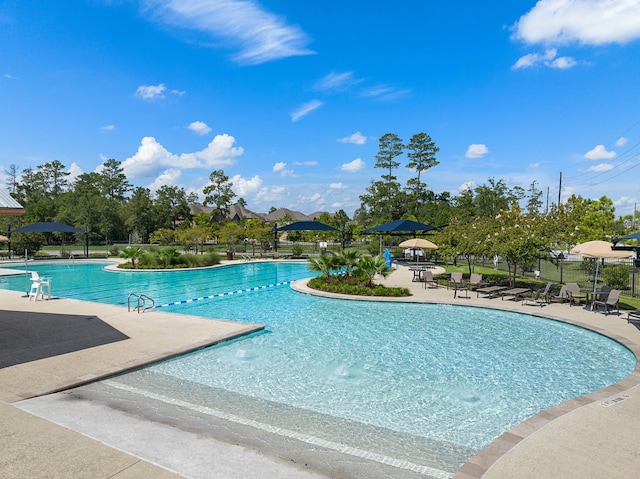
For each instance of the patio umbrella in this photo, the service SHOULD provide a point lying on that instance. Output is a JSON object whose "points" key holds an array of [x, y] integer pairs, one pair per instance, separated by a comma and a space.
{"points": [[401, 225], [418, 243], [598, 250]]}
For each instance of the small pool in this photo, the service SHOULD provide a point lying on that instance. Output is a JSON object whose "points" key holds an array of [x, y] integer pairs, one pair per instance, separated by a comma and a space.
{"points": [[426, 384]]}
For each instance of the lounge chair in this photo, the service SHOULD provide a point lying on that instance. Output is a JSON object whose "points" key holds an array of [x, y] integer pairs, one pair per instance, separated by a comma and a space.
{"points": [[515, 293], [633, 316], [609, 303], [539, 297]]}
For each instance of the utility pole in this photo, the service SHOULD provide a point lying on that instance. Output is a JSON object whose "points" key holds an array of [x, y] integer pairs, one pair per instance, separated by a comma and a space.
{"points": [[560, 189]]}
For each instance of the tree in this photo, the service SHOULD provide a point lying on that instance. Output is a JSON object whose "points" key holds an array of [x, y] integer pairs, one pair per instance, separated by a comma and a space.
{"points": [[219, 194], [113, 181], [494, 197], [12, 173], [170, 206], [534, 201], [231, 234], [322, 264], [139, 214], [390, 147], [133, 254], [369, 266], [422, 156], [520, 239]]}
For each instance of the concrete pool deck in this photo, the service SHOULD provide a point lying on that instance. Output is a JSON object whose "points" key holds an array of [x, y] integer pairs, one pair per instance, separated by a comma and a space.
{"points": [[594, 436]]}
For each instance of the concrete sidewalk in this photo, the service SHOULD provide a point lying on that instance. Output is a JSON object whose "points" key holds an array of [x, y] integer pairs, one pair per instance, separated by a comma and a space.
{"points": [[594, 436]]}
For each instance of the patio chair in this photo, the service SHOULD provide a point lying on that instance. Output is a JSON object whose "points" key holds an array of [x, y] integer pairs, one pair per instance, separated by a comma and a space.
{"points": [[562, 296], [475, 280], [428, 278], [457, 283], [609, 303], [539, 297], [575, 296]]}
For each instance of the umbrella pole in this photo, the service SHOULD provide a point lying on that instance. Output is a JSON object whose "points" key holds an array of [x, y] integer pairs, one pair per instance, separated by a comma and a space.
{"points": [[26, 274]]}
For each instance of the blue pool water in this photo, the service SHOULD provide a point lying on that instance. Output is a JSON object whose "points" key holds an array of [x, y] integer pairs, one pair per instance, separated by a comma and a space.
{"points": [[439, 378]]}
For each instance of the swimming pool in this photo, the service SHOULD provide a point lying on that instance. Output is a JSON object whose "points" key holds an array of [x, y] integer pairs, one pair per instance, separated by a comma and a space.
{"points": [[425, 384]]}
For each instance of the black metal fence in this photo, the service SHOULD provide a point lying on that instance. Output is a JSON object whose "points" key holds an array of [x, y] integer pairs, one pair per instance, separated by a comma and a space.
{"points": [[622, 274]]}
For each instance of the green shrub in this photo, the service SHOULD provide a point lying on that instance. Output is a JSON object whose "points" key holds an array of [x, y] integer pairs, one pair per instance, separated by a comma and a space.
{"points": [[617, 276], [353, 286]]}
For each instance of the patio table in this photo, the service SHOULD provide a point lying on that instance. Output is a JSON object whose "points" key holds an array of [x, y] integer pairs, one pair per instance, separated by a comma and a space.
{"points": [[591, 295]]}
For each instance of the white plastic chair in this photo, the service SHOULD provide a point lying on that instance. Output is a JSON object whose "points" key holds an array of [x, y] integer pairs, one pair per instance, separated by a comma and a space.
{"points": [[39, 287]]}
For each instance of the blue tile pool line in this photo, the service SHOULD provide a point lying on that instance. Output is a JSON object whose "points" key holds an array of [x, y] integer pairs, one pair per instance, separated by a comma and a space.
{"points": [[228, 293]]}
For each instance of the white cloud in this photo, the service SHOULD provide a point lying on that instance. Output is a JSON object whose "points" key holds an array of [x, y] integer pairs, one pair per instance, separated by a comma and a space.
{"points": [[108, 128], [621, 141], [273, 195], [259, 35], [336, 82], [549, 59], [169, 177], [534, 165], [588, 22], [74, 171], [625, 201], [600, 153], [476, 150], [357, 139], [281, 168], [305, 109], [602, 167], [467, 185], [311, 199], [244, 187], [151, 92], [305, 163], [385, 93], [338, 186], [152, 157], [353, 166], [199, 127]]}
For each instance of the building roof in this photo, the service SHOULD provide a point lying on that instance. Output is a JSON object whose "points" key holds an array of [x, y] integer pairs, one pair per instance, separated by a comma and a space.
{"points": [[9, 206]]}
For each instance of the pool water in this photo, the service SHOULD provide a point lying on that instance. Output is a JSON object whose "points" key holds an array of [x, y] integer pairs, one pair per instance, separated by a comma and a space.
{"points": [[429, 384]]}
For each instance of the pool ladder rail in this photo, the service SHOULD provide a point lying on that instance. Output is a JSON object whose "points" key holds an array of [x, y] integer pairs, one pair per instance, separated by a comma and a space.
{"points": [[141, 300]]}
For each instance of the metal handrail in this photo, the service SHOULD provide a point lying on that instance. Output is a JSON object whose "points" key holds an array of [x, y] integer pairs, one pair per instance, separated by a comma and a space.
{"points": [[141, 302]]}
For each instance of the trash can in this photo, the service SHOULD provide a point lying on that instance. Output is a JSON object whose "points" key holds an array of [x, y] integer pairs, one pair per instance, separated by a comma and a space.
{"points": [[229, 255]]}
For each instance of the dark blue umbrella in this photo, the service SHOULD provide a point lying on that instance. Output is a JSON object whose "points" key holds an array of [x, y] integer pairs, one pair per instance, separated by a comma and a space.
{"points": [[307, 226], [47, 227], [401, 225], [633, 236]]}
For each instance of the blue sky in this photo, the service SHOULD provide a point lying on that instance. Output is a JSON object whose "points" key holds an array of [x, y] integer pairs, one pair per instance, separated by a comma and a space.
{"points": [[290, 97]]}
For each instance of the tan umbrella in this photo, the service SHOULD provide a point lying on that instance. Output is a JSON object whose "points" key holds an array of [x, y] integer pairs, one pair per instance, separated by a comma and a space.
{"points": [[598, 249], [418, 243], [3, 238]]}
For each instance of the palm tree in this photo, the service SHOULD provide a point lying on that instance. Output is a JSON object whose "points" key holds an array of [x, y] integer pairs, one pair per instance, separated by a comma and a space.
{"points": [[132, 254], [322, 264], [348, 260], [369, 266], [168, 254]]}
